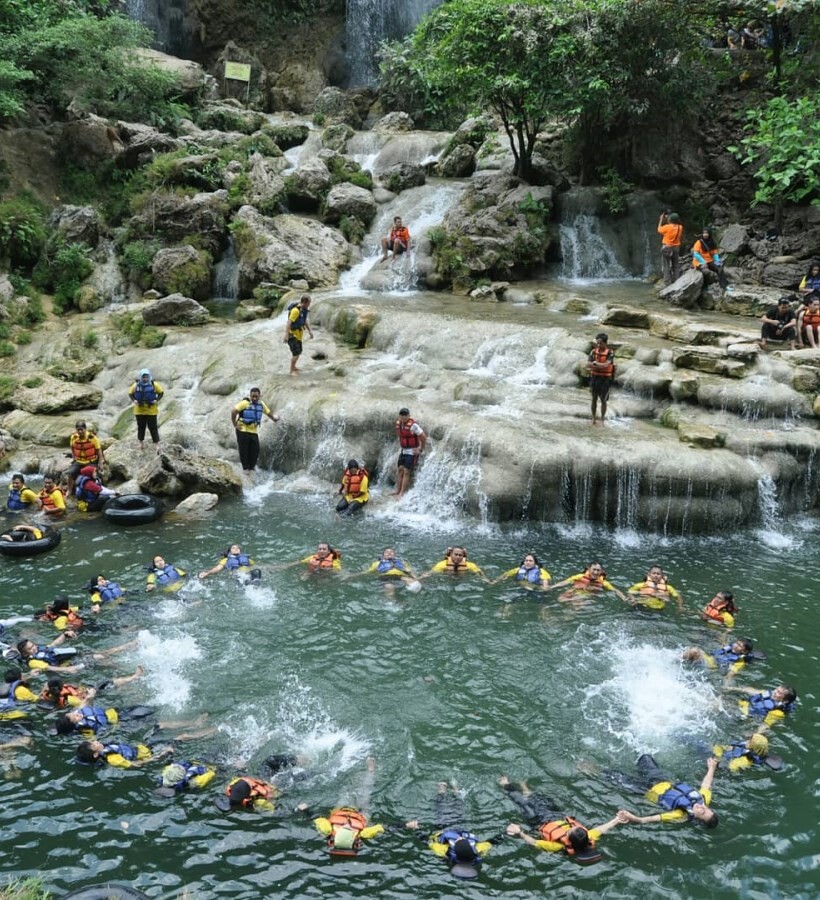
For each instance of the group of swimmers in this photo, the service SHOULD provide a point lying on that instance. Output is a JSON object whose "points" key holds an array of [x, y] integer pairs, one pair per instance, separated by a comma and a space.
{"points": [[547, 827]]}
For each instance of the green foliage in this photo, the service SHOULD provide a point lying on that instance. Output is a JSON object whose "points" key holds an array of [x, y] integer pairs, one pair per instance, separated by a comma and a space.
{"points": [[62, 269], [137, 257], [28, 309], [22, 337], [353, 229], [12, 84], [229, 118], [449, 262], [91, 340], [616, 189], [186, 167], [8, 387], [256, 143], [152, 338], [342, 168], [22, 233], [268, 294], [240, 190], [34, 382], [286, 136], [7, 349], [783, 146], [131, 327], [26, 889], [319, 119]]}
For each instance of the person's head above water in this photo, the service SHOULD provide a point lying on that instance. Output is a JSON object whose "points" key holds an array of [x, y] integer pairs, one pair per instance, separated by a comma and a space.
{"points": [[240, 793]]}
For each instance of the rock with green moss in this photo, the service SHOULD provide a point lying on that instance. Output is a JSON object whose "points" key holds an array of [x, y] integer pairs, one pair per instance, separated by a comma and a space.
{"points": [[286, 136], [174, 218], [266, 187], [348, 201], [81, 371], [307, 186], [88, 299], [334, 106], [402, 176], [182, 270], [228, 115], [335, 137]]}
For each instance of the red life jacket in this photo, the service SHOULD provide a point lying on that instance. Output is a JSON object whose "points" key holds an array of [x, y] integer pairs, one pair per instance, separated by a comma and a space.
{"points": [[606, 367], [83, 451], [71, 618], [48, 503], [260, 790], [352, 483], [327, 563], [407, 439], [66, 691], [558, 832]]}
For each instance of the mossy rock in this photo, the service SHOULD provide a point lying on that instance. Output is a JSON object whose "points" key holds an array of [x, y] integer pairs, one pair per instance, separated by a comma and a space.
{"points": [[80, 371], [286, 136], [670, 418], [88, 299], [335, 137]]}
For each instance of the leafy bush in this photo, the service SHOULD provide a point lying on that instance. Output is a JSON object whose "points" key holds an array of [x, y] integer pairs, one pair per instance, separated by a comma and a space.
{"points": [[616, 189], [152, 338], [22, 337], [257, 143], [268, 294], [22, 233], [137, 257], [136, 332], [63, 269], [7, 348], [353, 229], [286, 136], [227, 118], [34, 382], [8, 387], [91, 340], [239, 191]]}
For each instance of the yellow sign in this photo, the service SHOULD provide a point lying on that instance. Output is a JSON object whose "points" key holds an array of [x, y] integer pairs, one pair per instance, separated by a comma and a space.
{"points": [[238, 71]]}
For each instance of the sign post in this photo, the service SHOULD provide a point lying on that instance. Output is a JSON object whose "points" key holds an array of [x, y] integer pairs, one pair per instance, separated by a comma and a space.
{"points": [[235, 71]]}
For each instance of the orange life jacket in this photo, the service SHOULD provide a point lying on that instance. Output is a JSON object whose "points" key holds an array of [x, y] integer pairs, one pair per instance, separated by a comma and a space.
{"points": [[327, 563], [451, 566], [672, 234], [83, 451], [260, 790], [558, 832], [400, 234], [811, 318], [48, 503], [66, 691], [352, 484], [406, 437], [653, 588], [346, 817], [713, 612], [72, 619], [603, 357], [587, 583]]}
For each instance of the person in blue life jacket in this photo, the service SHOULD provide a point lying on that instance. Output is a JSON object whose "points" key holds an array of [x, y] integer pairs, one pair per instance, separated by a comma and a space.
{"points": [[15, 695], [103, 592], [19, 496], [91, 720], [391, 569], [246, 417], [235, 562], [451, 841], [164, 575], [118, 754], [180, 776], [772, 706], [528, 573], [732, 657], [145, 394], [296, 324], [90, 492], [753, 753], [49, 657]]}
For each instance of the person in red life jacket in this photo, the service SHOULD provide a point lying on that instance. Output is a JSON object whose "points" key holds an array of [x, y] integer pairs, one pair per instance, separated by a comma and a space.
{"points": [[557, 832], [85, 450], [145, 394], [64, 696], [61, 614], [720, 610], [412, 441], [601, 368], [354, 489], [246, 417], [296, 325], [671, 232], [705, 255], [51, 498], [398, 241], [809, 322], [586, 584], [90, 492], [779, 324]]}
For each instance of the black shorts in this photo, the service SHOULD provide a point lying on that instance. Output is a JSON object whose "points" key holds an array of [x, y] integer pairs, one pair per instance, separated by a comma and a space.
{"points": [[74, 469], [600, 387], [396, 246], [295, 346], [408, 461]]}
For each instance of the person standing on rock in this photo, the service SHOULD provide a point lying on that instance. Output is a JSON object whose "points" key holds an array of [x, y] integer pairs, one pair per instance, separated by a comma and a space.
{"points": [[671, 232], [86, 451], [246, 417], [295, 327], [398, 240], [145, 394], [413, 440], [601, 367]]}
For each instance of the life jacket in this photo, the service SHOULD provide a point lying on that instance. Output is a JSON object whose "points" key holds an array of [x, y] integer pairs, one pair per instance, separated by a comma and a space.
{"points": [[558, 832], [8, 699], [653, 588], [93, 719], [72, 620], [327, 563], [588, 584], [604, 357], [387, 565], [763, 703], [46, 655], [14, 500], [811, 318], [715, 613], [346, 817], [680, 796], [167, 575], [237, 561], [48, 503], [813, 282], [352, 484], [84, 451], [252, 414], [66, 691], [126, 751], [145, 394], [80, 491], [704, 251], [449, 836], [111, 591], [735, 751], [450, 566], [725, 657], [191, 771], [532, 575], [302, 318], [407, 439], [260, 790]]}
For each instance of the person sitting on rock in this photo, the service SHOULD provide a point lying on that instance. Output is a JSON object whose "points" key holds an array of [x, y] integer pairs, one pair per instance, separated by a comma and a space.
{"points": [[398, 241], [809, 322], [705, 255], [809, 285], [779, 324], [354, 489]]}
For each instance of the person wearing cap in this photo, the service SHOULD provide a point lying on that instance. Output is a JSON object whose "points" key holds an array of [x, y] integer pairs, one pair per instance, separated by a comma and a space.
{"points": [[601, 368], [246, 417], [671, 232], [91, 493], [779, 324], [354, 489], [743, 755], [412, 440], [461, 849], [51, 499], [85, 450], [145, 394]]}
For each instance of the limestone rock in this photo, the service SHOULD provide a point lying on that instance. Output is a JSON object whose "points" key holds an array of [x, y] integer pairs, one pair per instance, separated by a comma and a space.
{"points": [[267, 185], [348, 200], [734, 239], [175, 310], [806, 379], [748, 352], [142, 143], [747, 300], [174, 472], [175, 218], [382, 195], [56, 396], [816, 407], [459, 163], [218, 385], [786, 275], [700, 335], [685, 291], [90, 141], [626, 317], [335, 137], [229, 115], [193, 79], [395, 121], [198, 170], [307, 185], [713, 360], [472, 131], [753, 399], [296, 86], [81, 371], [197, 504], [182, 270], [286, 136], [76, 224], [333, 106], [402, 176], [89, 299], [353, 322], [248, 312], [7, 291], [702, 436], [485, 293], [48, 430]]}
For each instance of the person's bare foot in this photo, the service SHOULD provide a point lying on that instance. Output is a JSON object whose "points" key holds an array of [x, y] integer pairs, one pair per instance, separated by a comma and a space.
{"points": [[504, 781], [442, 787]]}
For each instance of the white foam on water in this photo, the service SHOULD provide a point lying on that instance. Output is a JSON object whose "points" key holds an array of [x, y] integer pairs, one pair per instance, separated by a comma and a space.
{"points": [[249, 731], [261, 596], [256, 493], [628, 538], [164, 659]]}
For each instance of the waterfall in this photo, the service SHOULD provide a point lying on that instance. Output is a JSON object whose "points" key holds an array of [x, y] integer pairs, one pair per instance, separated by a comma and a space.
{"points": [[166, 19], [226, 275], [369, 23]]}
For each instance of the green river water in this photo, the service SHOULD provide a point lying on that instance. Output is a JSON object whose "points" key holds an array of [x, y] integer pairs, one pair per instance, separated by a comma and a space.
{"points": [[460, 682]]}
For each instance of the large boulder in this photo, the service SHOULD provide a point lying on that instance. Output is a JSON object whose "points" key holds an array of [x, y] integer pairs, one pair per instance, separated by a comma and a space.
{"points": [[333, 106], [347, 200], [335, 137], [296, 86], [685, 291], [191, 77], [175, 310], [197, 505], [287, 135], [76, 224], [395, 121], [267, 192], [786, 275], [306, 187], [734, 239], [285, 247], [459, 162], [174, 218], [402, 176], [90, 141], [56, 396], [142, 144], [40, 429], [184, 270], [472, 131]]}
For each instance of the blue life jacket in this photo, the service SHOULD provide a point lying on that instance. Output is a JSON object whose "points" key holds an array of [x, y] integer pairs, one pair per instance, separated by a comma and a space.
{"points": [[145, 394], [761, 704], [46, 655], [81, 493], [532, 575], [112, 591], [126, 751], [8, 699], [167, 575], [735, 751], [680, 796], [813, 282], [236, 561], [93, 719], [191, 771], [14, 501], [301, 320], [449, 836], [386, 565], [725, 657], [252, 414]]}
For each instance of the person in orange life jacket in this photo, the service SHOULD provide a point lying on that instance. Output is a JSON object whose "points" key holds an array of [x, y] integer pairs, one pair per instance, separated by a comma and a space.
{"points": [[771, 706], [246, 417], [671, 232], [85, 450], [102, 591], [296, 324], [655, 591], [51, 499], [398, 240], [585, 584], [451, 841], [236, 562], [247, 792], [557, 831], [601, 367], [20, 496], [779, 324], [679, 801], [455, 562], [354, 489], [62, 695], [325, 559], [705, 255], [808, 324], [61, 614], [89, 490], [145, 394], [413, 440], [720, 610]]}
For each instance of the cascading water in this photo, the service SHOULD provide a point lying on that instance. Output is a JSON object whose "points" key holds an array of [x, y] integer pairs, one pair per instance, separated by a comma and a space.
{"points": [[166, 19], [226, 275]]}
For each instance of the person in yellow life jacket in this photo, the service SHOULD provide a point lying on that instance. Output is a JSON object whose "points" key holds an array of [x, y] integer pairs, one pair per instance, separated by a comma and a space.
{"points": [[104, 592], [13, 693], [354, 489], [119, 755], [164, 575], [60, 695], [178, 777], [589, 583], [557, 832], [246, 417], [49, 657], [655, 591], [671, 232], [20, 497], [455, 562], [51, 498], [601, 368], [85, 450], [679, 801], [720, 610], [771, 706], [529, 573], [749, 754], [705, 255], [391, 569], [145, 394], [296, 324], [61, 614]]}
